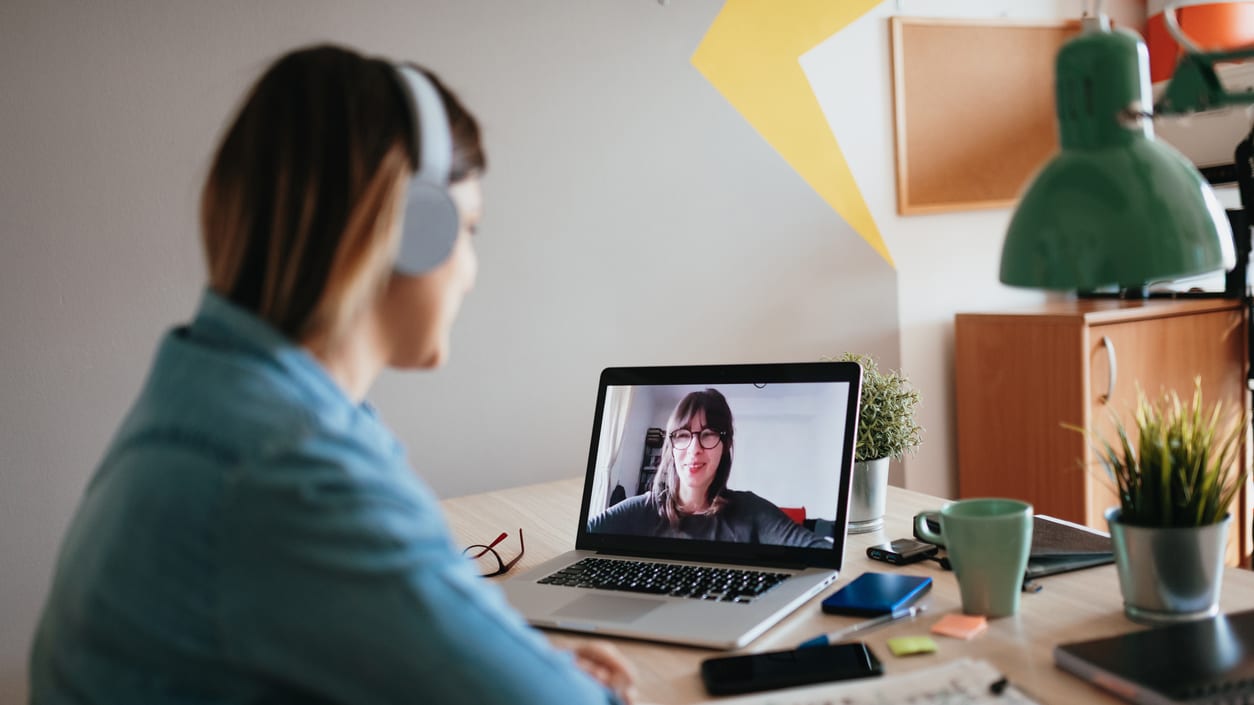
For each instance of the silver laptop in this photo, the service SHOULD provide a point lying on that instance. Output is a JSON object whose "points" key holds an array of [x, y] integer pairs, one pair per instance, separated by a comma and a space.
{"points": [[715, 503]]}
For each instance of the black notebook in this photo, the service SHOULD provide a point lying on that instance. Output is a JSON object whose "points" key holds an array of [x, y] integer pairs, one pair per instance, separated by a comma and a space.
{"points": [[1207, 661], [1060, 546]]}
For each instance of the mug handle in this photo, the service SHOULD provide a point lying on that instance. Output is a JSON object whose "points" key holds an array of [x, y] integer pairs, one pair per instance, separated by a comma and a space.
{"points": [[923, 532]]}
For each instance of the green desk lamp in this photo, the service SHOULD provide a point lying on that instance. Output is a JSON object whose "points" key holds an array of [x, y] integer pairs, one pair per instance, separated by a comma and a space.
{"points": [[1115, 207]]}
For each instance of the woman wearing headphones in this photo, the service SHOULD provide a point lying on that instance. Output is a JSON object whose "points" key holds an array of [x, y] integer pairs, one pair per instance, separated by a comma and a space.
{"points": [[254, 533]]}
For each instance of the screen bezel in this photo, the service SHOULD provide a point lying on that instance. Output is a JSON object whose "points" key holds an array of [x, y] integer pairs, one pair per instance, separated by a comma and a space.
{"points": [[717, 551]]}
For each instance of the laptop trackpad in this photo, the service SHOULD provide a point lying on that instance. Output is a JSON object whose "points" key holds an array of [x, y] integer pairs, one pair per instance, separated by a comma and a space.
{"points": [[608, 608]]}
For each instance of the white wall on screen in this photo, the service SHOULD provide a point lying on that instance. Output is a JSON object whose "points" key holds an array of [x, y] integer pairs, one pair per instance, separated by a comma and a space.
{"points": [[626, 469]]}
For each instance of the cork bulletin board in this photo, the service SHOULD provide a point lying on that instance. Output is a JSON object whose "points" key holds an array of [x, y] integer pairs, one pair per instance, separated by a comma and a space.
{"points": [[973, 105]]}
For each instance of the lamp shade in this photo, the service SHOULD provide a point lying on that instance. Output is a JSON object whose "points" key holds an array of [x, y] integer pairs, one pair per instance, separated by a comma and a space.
{"points": [[1115, 206]]}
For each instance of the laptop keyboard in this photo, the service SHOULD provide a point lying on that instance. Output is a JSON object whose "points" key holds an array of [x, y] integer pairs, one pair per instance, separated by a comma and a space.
{"points": [[697, 582]]}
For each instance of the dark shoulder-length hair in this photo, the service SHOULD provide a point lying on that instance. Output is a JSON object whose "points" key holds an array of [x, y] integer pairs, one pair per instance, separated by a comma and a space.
{"points": [[718, 416], [299, 206]]}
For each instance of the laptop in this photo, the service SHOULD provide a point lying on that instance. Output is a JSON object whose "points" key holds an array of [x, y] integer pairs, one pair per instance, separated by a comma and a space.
{"points": [[715, 503]]}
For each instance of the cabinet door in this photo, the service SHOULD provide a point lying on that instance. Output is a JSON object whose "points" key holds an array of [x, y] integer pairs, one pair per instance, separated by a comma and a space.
{"points": [[1019, 378], [1159, 355]]}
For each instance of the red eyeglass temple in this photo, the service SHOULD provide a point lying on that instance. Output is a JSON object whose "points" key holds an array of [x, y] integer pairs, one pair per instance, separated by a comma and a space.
{"points": [[492, 545]]}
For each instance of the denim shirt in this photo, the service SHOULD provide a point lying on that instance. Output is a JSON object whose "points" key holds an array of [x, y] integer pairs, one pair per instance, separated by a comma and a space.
{"points": [[253, 536]]}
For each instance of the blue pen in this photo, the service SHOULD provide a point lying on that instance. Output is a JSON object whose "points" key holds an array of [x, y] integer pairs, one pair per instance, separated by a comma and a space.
{"points": [[839, 636]]}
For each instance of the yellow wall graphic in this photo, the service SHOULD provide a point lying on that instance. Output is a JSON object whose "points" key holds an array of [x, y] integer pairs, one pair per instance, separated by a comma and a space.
{"points": [[751, 54]]}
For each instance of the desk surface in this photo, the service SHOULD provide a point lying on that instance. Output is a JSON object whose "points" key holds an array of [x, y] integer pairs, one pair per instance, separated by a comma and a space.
{"points": [[1070, 607]]}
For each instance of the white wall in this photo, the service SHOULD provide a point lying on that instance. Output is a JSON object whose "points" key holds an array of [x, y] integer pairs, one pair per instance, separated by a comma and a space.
{"points": [[946, 263], [624, 196]]}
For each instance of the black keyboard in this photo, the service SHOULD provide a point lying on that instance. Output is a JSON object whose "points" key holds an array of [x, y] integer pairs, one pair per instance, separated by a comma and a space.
{"points": [[696, 582]]}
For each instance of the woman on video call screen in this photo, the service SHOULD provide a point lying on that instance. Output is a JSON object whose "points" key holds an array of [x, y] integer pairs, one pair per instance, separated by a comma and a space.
{"points": [[689, 496]]}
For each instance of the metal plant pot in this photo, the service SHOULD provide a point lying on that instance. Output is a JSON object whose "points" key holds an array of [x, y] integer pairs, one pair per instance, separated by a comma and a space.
{"points": [[1169, 574], [868, 495]]}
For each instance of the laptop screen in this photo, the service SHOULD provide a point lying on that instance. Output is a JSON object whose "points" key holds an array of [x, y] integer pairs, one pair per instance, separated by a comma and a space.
{"points": [[723, 462]]}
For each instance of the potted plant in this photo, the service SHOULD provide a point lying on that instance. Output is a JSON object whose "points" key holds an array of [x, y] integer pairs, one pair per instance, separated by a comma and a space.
{"points": [[1175, 483], [886, 429]]}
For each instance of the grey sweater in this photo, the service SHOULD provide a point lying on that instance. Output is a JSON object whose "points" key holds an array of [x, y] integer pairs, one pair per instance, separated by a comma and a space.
{"points": [[747, 518]]}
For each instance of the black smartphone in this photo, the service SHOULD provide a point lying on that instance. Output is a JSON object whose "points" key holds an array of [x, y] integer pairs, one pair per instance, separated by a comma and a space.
{"points": [[902, 551], [725, 675]]}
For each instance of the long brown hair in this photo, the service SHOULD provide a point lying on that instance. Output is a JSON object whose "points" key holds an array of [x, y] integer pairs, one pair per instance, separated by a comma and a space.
{"points": [[299, 209], [718, 416]]}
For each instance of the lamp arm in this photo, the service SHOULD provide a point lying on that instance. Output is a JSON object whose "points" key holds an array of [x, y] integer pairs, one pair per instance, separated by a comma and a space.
{"points": [[1195, 87], [1218, 57]]}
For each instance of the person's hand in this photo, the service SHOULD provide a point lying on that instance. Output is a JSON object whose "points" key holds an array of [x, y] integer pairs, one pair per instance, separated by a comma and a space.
{"points": [[604, 662]]}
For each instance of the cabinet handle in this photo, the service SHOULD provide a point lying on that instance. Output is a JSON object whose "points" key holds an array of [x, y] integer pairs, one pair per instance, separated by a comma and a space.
{"points": [[1114, 370]]}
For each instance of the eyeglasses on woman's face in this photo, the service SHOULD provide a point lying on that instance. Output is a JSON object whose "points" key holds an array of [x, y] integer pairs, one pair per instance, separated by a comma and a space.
{"points": [[708, 438], [489, 561]]}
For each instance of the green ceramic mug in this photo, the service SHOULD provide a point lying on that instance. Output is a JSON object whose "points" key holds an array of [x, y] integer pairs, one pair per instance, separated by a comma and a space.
{"points": [[987, 540]]}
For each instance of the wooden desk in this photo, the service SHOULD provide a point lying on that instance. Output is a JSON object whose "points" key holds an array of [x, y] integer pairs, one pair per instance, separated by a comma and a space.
{"points": [[1073, 606]]}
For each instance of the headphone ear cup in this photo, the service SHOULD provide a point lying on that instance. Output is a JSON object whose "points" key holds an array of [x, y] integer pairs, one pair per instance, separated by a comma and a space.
{"points": [[428, 231]]}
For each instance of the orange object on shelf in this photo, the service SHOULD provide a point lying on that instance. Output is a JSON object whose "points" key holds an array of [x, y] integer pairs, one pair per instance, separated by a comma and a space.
{"points": [[1212, 26]]}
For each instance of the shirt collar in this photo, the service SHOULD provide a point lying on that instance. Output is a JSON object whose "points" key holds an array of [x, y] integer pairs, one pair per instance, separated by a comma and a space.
{"points": [[220, 322]]}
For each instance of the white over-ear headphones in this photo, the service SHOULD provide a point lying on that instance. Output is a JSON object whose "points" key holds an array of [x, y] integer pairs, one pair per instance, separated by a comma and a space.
{"points": [[430, 221]]}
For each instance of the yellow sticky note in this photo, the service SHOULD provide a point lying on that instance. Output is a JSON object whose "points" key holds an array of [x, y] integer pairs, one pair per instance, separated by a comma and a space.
{"points": [[911, 645]]}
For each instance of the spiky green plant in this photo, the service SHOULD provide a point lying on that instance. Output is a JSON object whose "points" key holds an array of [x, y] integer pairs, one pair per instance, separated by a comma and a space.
{"points": [[1181, 472], [886, 427]]}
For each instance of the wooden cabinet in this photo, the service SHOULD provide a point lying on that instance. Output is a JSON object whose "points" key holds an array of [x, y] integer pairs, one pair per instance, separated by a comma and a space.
{"points": [[1021, 375]]}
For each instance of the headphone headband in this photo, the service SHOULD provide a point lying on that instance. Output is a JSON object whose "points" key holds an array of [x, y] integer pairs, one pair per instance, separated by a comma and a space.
{"points": [[431, 131], [430, 222]]}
